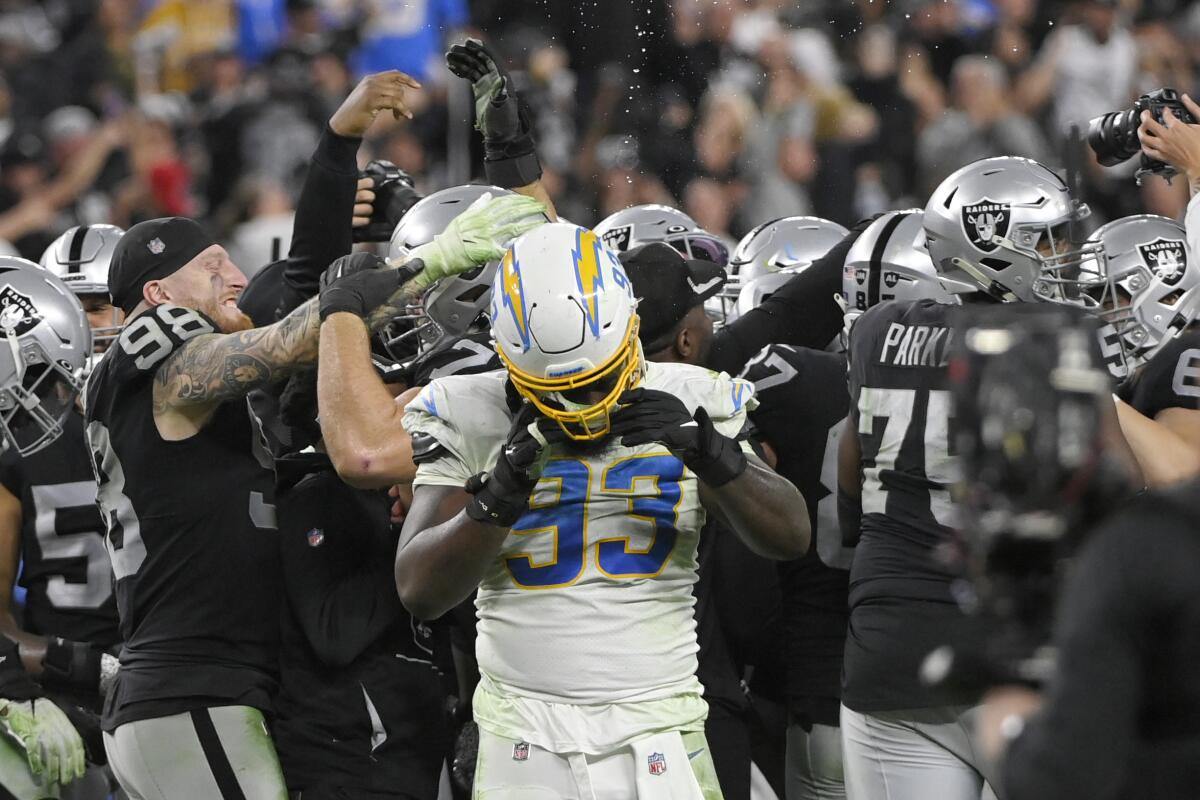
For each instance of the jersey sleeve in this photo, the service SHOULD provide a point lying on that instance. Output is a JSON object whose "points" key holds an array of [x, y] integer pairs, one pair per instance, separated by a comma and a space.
{"points": [[146, 342], [1171, 379], [456, 432]]}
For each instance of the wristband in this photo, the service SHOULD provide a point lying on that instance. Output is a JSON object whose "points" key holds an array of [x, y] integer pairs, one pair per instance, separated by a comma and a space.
{"points": [[513, 173]]}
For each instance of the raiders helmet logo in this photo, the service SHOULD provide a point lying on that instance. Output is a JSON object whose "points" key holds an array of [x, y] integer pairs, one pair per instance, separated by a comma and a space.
{"points": [[1166, 258], [618, 238], [17, 314], [890, 279], [983, 220]]}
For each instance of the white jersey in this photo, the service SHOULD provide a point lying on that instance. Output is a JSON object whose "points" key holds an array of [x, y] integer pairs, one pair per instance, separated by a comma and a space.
{"points": [[589, 603]]}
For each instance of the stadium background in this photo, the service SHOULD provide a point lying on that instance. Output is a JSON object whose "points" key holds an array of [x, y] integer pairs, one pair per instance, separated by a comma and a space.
{"points": [[736, 111]]}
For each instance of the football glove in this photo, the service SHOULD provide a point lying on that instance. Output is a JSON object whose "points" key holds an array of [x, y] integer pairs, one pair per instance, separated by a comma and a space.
{"points": [[52, 746], [649, 415], [509, 154], [77, 667], [501, 496], [357, 283], [478, 235]]}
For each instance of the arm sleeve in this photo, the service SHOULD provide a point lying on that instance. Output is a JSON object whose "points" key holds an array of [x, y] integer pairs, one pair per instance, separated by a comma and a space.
{"points": [[803, 313], [321, 232], [343, 599], [1079, 745]]}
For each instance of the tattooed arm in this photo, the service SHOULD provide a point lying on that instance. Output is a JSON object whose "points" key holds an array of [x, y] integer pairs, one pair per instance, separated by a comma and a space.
{"points": [[215, 367]]}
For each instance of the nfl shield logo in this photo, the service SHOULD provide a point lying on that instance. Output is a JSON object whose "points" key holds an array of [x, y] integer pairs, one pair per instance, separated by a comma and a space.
{"points": [[983, 220], [1166, 258], [618, 238], [656, 763], [17, 314], [316, 537], [156, 246], [521, 751]]}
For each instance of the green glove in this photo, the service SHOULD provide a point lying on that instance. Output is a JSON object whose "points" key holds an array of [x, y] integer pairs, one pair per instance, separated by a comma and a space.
{"points": [[480, 234], [51, 743]]}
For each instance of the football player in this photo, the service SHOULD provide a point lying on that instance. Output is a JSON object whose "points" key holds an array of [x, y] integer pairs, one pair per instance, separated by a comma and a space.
{"points": [[50, 524], [42, 360], [186, 487], [996, 230], [800, 428], [569, 488], [1146, 287]]}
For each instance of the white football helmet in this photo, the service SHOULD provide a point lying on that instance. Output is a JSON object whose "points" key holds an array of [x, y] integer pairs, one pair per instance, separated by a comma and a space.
{"points": [[768, 256], [1143, 284], [638, 225], [80, 258], [1004, 225], [889, 261], [45, 343], [453, 306], [565, 326]]}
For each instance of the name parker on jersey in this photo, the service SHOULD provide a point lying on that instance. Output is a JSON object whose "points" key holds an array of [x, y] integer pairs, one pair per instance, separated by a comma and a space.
{"points": [[916, 346]]}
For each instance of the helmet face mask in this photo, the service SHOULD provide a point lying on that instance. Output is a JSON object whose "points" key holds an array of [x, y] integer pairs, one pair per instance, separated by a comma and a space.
{"points": [[45, 344], [454, 306], [565, 327]]}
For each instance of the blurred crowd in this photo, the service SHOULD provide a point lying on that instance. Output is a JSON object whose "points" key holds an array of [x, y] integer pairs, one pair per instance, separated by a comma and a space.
{"points": [[736, 111]]}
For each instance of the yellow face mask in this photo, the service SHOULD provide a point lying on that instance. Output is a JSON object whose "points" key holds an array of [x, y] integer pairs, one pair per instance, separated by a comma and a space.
{"points": [[584, 423]]}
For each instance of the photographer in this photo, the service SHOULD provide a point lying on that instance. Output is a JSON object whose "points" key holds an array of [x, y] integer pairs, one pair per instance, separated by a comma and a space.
{"points": [[1044, 469], [1178, 145]]}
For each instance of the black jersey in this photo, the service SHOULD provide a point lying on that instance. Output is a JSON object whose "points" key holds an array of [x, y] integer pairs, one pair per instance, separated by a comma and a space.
{"points": [[470, 355], [65, 568], [191, 533], [1171, 379], [901, 606], [802, 404], [362, 700]]}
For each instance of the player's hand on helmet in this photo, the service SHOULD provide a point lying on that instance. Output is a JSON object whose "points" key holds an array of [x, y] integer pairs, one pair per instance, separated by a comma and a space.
{"points": [[648, 415], [52, 746], [501, 496], [478, 235], [357, 283]]}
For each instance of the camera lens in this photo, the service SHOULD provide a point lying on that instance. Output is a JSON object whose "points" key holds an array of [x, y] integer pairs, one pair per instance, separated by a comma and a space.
{"points": [[1113, 136]]}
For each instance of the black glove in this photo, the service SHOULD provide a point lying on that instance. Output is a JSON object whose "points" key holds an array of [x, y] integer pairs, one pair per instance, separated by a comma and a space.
{"points": [[72, 667], [358, 283], [510, 159], [15, 683], [501, 496], [649, 415], [87, 724]]}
